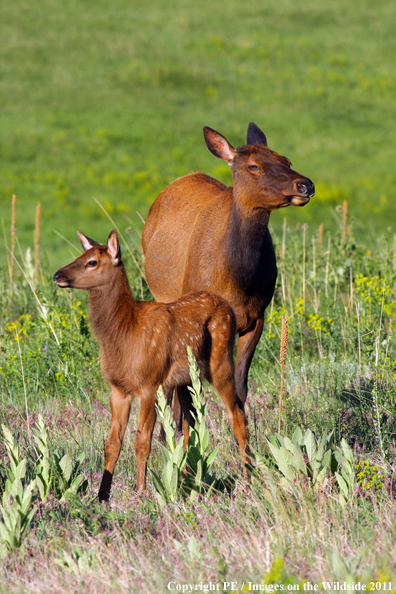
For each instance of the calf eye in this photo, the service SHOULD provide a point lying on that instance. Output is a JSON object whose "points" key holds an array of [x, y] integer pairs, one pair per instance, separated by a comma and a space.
{"points": [[254, 168], [92, 263]]}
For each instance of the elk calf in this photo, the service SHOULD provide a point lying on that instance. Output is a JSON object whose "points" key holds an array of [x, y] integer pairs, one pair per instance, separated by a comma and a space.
{"points": [[144, 344]]}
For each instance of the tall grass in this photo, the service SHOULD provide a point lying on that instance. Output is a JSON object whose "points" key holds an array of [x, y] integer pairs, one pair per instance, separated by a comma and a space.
{"points": [[340, 303]]}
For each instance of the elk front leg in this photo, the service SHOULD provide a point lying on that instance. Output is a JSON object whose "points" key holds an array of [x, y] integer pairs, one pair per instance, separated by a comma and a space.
{"points": [[120, 403], [226, 389], [247, 343], [143, 437]]}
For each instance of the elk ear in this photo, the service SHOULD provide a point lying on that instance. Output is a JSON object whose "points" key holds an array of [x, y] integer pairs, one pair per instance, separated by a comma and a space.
{"points": [[218, 145], [255, 135], [113, 248], [86, 242]]}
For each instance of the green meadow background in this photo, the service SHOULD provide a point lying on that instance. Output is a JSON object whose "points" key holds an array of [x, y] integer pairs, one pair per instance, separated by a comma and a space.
{"points": [[107, 100]]}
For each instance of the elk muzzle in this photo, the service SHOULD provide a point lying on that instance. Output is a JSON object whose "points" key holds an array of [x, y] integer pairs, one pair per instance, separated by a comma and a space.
{"points": [[305, 191], [61, 280]]}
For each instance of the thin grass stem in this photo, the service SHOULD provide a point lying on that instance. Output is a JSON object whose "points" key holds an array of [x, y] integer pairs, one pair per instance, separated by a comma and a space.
{"points": [[23, 381], [13, 205], [282, 360], [37, 244], [122, 237]]}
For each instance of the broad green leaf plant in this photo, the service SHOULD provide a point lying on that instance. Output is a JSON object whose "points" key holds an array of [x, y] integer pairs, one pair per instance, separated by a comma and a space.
{"points": [[314, 458], [186, 473], [173, 455], [346, 477], [199, 455], [53, 472], [15, 511], [304, 454]]}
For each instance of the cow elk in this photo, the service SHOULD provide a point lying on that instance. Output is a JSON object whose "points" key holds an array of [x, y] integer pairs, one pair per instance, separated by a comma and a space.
{"points": [[202, 235], [144, 344]]}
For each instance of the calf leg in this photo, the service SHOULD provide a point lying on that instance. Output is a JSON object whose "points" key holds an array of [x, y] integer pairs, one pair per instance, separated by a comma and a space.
{"points": [[247, 343], [120, 403], [143, 437]]}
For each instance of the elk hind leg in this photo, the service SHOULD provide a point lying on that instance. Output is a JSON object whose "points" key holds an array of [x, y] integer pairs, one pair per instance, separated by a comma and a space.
{"points": [[143, 436]]}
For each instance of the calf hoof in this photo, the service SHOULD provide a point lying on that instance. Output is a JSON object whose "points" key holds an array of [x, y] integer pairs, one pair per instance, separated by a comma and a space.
{"points": [[105, 486], [103, 496]]}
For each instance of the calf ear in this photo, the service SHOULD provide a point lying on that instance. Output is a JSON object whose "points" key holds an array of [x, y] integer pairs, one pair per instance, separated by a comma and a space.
{"points": [[86, 242], [218, 145], [113, 248], [255, 135]]}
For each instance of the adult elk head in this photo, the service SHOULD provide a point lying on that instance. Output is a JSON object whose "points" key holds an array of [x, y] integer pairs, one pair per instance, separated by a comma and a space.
{"points": [[261, 177]]}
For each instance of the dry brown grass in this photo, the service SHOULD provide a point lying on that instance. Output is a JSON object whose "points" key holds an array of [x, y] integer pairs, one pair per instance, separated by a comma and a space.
{"points": [[135, 546]]}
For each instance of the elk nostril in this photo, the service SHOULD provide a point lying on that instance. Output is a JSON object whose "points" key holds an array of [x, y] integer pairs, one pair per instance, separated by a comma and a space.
{"points": [[56, 276], [302, 188]]}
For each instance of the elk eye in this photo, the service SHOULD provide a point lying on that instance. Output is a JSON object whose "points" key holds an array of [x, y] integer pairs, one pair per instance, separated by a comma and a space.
{"points": [[254, 168], [92, 263]]}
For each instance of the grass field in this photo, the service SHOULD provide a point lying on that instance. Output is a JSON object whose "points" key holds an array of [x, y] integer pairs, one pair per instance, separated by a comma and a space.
{"points": [[108, 101], [340, 377]]}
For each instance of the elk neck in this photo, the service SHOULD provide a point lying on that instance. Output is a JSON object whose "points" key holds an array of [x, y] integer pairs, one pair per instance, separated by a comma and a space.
{"points": [[112, 308], [247, 242]]}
